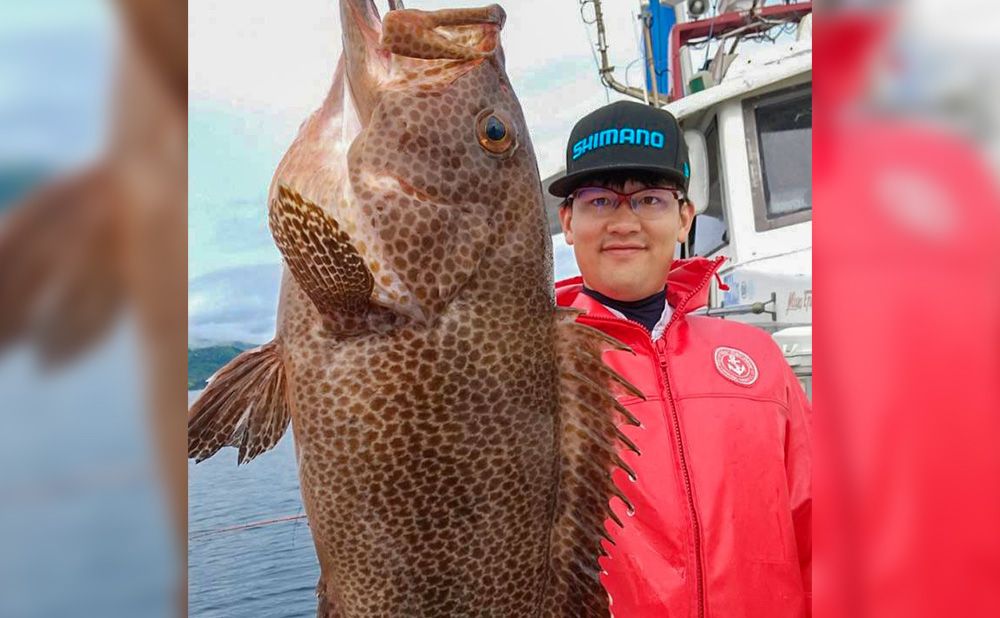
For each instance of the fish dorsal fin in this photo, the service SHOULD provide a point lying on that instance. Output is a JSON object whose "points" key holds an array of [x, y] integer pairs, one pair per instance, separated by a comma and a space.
{"points": [[590, 442], [244, 405]]}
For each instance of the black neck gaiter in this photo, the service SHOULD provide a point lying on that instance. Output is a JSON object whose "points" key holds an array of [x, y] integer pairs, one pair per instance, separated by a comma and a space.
{"points": [[646, 311]]}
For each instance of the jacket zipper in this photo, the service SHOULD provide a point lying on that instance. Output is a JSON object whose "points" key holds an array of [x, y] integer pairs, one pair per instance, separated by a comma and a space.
{"points": [[695, 526]]}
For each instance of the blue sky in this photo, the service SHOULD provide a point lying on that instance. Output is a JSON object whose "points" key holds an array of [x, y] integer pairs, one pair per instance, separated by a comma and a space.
{"points": [[258, 69], [233, 265]]}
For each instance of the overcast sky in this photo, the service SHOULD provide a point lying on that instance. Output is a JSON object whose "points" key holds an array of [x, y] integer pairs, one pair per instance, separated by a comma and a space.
{"points": [[257, 68], [259, 55]]}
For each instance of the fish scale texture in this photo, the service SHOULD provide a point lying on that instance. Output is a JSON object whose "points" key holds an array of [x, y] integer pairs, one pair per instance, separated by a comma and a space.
{"points": [[455, 432]]}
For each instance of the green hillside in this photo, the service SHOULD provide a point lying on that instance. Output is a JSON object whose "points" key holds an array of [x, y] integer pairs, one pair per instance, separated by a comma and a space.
{"points": [[203, 362]]}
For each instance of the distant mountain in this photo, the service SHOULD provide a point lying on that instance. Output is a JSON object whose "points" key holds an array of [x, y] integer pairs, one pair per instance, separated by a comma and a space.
{"points": [[203, 362]]}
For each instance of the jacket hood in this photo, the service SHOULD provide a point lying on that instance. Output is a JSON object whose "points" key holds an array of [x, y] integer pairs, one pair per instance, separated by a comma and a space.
{"points": [[687, 284]]}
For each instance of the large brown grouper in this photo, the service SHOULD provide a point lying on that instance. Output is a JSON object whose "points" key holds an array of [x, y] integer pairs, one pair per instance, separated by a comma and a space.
{"points": [[455, 432]]}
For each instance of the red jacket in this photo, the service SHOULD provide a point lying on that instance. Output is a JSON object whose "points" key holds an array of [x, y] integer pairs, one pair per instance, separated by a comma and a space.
{"points": [[722, 499]]}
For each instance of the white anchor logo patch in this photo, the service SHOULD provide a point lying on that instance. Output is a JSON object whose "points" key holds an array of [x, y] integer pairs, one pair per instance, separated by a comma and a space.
{"points": [[736, 366]]}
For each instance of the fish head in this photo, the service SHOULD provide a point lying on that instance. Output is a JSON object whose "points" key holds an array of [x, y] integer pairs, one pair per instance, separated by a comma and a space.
{"points": [[442, 175]]}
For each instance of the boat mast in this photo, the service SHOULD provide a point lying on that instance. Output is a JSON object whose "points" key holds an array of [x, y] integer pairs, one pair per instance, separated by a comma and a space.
{"points": [[606, 70]]}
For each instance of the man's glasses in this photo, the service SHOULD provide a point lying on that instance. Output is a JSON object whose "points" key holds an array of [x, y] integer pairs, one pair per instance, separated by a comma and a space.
{"points": [[600, 202]]}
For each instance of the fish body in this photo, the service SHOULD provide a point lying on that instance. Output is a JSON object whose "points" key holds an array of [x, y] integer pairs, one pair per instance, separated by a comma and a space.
{"points": [[454, 431]]}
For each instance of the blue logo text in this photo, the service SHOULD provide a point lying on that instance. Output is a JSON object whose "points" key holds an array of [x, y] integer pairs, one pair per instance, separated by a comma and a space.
{"points": [[611, 137]]}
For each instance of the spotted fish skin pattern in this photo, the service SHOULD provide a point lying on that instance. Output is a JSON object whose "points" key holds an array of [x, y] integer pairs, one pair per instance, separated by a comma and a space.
{"points": [[454, 431]]}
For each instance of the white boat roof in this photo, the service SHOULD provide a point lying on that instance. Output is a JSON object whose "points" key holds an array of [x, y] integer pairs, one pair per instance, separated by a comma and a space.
{"points": [[748, 74], [791, 262]]}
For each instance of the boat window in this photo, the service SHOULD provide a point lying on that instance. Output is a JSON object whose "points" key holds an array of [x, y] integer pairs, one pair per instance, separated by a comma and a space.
{"points": [[710, 226], [781, 163]]}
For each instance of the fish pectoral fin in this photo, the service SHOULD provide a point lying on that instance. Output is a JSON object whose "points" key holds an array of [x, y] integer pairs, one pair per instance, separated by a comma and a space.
{"points": [[320, 255], [591, 449], [244, 405]]}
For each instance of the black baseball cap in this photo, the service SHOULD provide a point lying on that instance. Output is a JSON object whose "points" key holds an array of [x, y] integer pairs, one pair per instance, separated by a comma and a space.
{"points": [[624, 136]]}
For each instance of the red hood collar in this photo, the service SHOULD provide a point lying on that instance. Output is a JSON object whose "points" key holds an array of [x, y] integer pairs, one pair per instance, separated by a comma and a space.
{"points": [[687, 284]]}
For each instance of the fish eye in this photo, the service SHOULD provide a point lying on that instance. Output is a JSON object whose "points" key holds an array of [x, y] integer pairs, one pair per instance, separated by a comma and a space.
{"points": [[494, 134], [495, 129]]}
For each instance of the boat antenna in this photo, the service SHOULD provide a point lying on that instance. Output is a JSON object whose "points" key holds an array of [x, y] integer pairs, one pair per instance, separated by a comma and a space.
{"points": [[605, 69]]}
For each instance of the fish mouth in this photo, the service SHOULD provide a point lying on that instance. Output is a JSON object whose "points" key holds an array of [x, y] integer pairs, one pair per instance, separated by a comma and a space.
{"points": [[447, 34], [489, 14], [371, 42]]}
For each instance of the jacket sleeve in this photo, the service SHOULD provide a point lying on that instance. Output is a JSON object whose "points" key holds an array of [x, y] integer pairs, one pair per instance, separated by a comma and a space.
{"points": [[798, 468]]}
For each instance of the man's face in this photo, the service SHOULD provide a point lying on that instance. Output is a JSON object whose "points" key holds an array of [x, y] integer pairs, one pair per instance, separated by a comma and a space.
{"points": [[621, 255]]}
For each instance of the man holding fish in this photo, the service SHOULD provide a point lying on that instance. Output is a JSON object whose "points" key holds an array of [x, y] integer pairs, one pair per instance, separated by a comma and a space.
{"points": [[455, 430], [720, 517]]}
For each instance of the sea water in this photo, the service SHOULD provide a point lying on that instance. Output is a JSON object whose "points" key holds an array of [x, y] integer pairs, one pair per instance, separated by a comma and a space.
{"points": [[254, 572]]}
